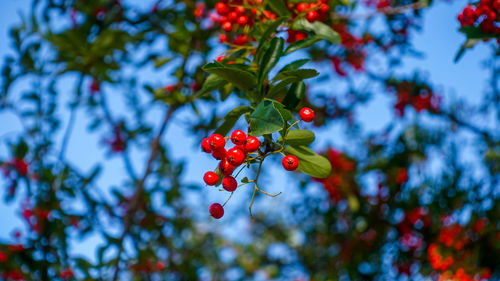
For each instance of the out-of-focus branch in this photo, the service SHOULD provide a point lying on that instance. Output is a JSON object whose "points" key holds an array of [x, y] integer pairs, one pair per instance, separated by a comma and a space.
{"points": [[126, 159], [385, 11], [135, 200]]}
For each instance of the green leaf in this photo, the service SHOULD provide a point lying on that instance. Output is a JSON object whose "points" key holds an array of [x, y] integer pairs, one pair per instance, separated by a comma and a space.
{"points": [[321, 30], [298, 74], [231, 118], [212, 83], [295, 95], [469, 44], [309, 162], [159, 62], [21, 149], [302, 44], [270, 29], [294, 65], [279, 90], [474, 32], [298, 137], [279, 7], [268, 117], [240, 78], [270, 58]]}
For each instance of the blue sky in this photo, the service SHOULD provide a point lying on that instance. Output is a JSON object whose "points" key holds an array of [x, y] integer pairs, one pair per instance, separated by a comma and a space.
{"points": [[439, 42]]}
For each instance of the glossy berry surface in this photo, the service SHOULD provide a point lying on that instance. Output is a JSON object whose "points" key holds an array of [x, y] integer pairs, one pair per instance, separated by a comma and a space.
{"points": [[226, 168], [252, 144], [216, 210], [205, 146], [219, 154], [235, 156], [229, 183], [216, 141], [302, 7], [312, 16], [306, 114], [290, 163], [211, 178], [238, 137]]}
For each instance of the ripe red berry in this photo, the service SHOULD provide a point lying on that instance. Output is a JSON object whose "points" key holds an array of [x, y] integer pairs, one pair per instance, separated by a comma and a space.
{"points": [[302, 7], [222, 38], [242, 20], [211, 178], [216, 141], [306, 114], [290, 163], [216, 210], [221, 8], [205, 146], [219, 154], [252, 144], [238, 137], [235, 156], [229, 183], [312, 16], [160, 266], [226, 168], [227, 26], [233, 16], [240, 10]]}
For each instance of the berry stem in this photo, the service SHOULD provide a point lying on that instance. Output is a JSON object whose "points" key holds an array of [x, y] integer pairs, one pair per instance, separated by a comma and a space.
{"points": [[231, 195], [255, 186]]}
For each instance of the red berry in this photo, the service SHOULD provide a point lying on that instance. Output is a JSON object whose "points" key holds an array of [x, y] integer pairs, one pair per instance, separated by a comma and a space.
{"points": [[242, 20], [306, 114], [238, 137], [222, 38], [229, 183], [302, 7], [216, 210], [252, 144], [240, 10], [211, 178], [205, 146], [235, 156], [290, 163], [241, 147], [219, 154], [312, 16], [217, 141], [227, 26], [221, 8], [160, 266], [232, 16], [323, 8], [226, 168]]}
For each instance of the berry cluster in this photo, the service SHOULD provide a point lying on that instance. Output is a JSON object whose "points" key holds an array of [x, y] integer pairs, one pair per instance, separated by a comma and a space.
{"points": [[437, 260], [353, 55], [342, 169], [245, 150], [461, 275], [229, 160], [484, 15], [234, 16], [241, 15], [418, 95], [316, 11]]}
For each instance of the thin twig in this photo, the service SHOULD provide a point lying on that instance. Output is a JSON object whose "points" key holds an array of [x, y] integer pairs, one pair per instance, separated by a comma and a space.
{"points": [[386, 11], [107, 115], [134, 202]]}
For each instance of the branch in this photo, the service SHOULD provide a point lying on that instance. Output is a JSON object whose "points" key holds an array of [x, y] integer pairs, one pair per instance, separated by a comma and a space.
{"points": [[126, 159], [134, 202], [386, 11]]}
